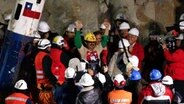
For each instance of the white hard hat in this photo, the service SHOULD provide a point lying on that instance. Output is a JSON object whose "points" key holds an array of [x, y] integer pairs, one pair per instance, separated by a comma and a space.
{"points": [[43, 27], [102, 26], [101, 78], [43, 44], [71, 28], [21, 85], [84, 64], [182, 17], [125, 42], [180, 37], [86, 80], [134, 60], [7, 17], [181, 25], [134, 31], [124, 26], [59, 40], [119, 16], [69, 73], [75, 63], [36, 36], [167, 80], [119, 78]]}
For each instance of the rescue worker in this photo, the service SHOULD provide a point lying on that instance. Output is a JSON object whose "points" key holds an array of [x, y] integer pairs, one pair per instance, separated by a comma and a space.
{"points": [[116, 30], [154, 57], [135, 47], [67, 92], [80, 67], [117, 64], [155, 92], [69, 41], [175, 66], [124, 29], [59, 59], [119, 95], [168, 82], [119, 19], [104, 53], [134, 85], [43, 29], [27, 68], [88, 94], [89, 51], [122, 32], [20, 95], [45, 79]]}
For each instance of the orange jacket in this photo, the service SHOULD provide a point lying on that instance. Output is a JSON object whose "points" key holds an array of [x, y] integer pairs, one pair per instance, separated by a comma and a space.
{"points": [[58, 68], [119, 97], [39, 68], [16, 98]]}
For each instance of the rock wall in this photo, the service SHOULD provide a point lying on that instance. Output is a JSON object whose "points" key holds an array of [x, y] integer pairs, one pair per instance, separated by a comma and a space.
{"points": [[60, 13]]}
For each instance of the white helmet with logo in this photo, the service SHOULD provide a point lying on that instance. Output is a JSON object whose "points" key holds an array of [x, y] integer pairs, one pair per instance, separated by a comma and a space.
{"points": [[59, 40], [43, 44], [167, 80], [43, 27], [21, 85]]}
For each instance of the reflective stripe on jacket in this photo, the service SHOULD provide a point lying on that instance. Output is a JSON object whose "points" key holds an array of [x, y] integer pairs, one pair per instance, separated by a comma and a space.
{"points": [[119, 97], [16, 98], [39, 68]]}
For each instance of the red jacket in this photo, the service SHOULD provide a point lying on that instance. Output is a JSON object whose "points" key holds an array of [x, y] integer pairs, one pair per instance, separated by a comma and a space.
{"points": [[155, 90], [138, 50], [58, 68], [104, 55], [175, 64], [16, 98]]}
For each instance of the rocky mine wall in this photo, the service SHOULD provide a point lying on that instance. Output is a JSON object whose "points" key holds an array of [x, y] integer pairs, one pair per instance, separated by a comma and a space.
{"points": [[60, 13]]}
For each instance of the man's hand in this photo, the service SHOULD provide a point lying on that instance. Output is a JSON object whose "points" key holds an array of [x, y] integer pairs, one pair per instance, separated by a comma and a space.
{"points": [[164, 46], [79, 25], [105, 68]]}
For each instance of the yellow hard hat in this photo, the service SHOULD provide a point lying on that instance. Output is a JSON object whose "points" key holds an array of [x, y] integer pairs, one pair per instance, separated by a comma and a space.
{"points": [[59, 40], [90, 37]]}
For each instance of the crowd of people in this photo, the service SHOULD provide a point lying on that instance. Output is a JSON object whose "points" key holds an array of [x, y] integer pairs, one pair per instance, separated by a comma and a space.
{"points": [[108, 66]]}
